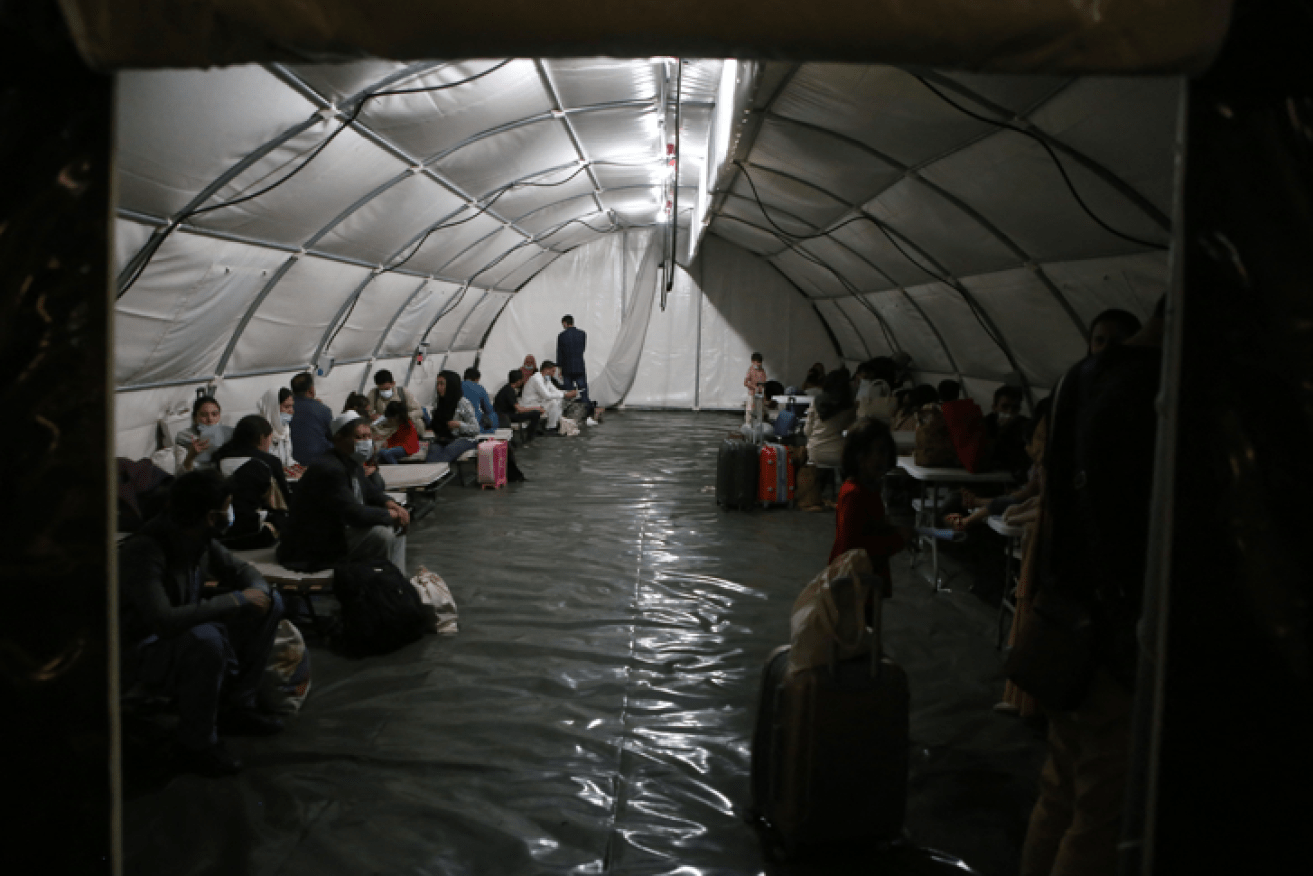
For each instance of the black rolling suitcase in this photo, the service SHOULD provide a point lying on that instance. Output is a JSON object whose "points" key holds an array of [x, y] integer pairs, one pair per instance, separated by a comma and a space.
{"points": [[830, 749], [736, 474]]}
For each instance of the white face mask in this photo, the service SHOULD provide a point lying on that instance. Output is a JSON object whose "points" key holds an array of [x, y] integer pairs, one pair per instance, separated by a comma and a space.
{"points": [[232, 515], [1003, 417], [364, 450], [385, 393], [285, 417]]}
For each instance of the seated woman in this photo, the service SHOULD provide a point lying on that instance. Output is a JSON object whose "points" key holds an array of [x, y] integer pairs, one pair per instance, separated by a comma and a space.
{"points": [[827, 419], [277, 408], [454, 424], [404, 440], [205, 435], [260, 493]]}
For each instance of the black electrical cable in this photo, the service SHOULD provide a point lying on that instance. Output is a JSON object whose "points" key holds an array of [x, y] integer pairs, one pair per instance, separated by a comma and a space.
{"points": [[173, 224], [1052, 154]]}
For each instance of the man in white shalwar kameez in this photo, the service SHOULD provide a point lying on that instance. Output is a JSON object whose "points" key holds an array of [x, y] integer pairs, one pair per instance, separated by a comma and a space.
{"points": [[540, 391]]}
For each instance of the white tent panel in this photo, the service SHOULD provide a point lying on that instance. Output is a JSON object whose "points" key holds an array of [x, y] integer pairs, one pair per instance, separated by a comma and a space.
{"points": [[1133, 283], [1016, 94], [1122, 123], [176, 320], [817, 280], [851, 343], [379, 231], [511, 155], [340, 81], [439, 249], [590, 284], [794, 199], [1014, 184], [846, 169], [747, 210], [883, 107], [589, 81], [545, 218], [903, 268], [747, 236], [476, 261], [622, 134], [667, 372], [129, 237], [176, 131], [973, 349], [290, 322], [458, 361], [443, 333], [569, 182], [914, 335], [373, 310], [867, 324], [949, 234], [429, 123], [1037, 328], [471, 334], [504, 274], [855, 264], [137, 413], [417, 316], [748, 307], [637, 171], [292, 209], [530, 268]]}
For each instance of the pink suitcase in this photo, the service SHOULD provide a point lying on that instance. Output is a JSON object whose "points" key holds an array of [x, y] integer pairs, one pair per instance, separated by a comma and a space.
{"points": [[492, 464]]}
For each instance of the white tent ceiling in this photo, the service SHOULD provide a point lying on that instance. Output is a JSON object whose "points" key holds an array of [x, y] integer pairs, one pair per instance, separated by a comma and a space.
{"points": [[268, 214]]}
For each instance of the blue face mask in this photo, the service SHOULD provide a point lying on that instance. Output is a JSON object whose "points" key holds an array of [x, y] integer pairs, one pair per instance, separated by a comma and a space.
{"points": [[285, 417]]}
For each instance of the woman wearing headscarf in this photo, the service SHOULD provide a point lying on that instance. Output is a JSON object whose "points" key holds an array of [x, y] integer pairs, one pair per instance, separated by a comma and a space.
{"points": [[205, 435], [260, 493], [455, 424], [276, 407], [529, 368]]}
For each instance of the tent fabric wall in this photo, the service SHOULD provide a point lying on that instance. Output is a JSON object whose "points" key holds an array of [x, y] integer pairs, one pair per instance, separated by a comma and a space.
{"points": [[469, 205]]}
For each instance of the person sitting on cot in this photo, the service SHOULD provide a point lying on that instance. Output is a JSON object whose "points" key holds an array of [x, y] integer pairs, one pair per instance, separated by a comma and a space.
{"points": [[860, 521], [478, 398], [509, 409], [386, 391], [207, 648], [261, 495], [338, 513], [404, 440], [1006, 429], [205, 435], [454, 424], [539, 391], [311, 419], [277, 407], [905, 420]]}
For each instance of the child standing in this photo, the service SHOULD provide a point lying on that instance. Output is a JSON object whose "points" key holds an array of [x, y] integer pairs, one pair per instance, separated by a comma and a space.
{"points": [[868, 453], [756, 377]]}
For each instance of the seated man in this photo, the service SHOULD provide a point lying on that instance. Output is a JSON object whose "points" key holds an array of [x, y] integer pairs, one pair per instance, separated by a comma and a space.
{"points": [[310, 421], [539, 391], [386, 390], [579, 408], [208, 650], [338, 514], [478, 398], [1006, 429], [509, 409]]}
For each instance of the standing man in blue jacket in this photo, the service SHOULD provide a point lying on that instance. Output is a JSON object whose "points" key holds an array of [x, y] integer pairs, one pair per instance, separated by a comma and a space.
{"points": [[570, 357]]}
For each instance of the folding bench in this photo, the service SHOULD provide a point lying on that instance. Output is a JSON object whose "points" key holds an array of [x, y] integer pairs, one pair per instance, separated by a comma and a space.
{"points": [[419, 482], [307, 585]]}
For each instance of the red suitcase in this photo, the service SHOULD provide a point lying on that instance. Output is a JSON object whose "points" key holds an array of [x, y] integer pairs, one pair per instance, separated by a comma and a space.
{"points": [[775, 477]]}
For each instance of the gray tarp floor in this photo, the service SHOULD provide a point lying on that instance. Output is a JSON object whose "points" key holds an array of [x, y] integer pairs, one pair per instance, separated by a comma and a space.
{"points": [[594, 713]]}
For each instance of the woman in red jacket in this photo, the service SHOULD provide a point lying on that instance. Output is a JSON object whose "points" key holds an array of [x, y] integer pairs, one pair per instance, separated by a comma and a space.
{"points": [[868, 453]]}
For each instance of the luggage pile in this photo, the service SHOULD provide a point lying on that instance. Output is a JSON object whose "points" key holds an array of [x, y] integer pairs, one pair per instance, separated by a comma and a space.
{"points": [[751, 471]]}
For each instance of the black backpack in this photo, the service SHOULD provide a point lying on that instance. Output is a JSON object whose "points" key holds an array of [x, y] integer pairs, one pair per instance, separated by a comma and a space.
{"points": [[381, 610]]}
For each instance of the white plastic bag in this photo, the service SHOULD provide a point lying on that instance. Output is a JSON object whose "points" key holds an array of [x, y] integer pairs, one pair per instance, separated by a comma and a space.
{"points": [[438, 602], [568, 427], [286, 680], [828, 623]]}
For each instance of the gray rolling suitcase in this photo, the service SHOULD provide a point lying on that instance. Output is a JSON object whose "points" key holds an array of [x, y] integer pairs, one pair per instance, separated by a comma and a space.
{"points": [[829, 754]]}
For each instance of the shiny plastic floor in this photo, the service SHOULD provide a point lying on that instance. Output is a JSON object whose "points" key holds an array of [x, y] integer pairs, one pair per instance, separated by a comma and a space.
{"points": [[594, 713]]}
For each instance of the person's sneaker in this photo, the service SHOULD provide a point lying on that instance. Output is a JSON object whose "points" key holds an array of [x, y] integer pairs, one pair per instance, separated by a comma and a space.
{"points": [[590, 421], [248, 722], [213, 760]]}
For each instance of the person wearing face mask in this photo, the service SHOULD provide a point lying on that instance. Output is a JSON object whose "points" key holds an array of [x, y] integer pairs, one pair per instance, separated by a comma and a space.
{"points": [[1006, 429], [206, 647], [205, 435], [386, 390], [277, 408], [339, 514]]}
